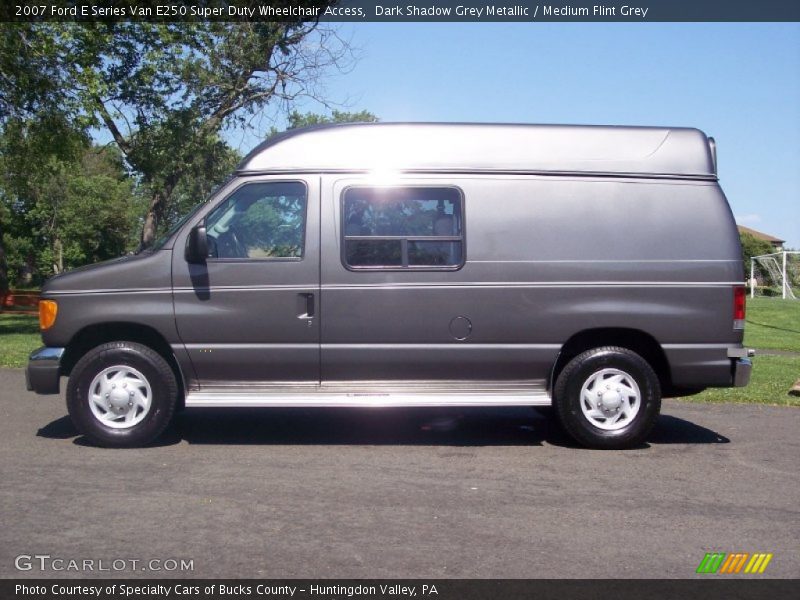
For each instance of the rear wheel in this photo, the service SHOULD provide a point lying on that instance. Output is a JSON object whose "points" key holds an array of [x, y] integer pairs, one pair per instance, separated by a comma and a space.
{"points": [[608, 398], [121, 394]]}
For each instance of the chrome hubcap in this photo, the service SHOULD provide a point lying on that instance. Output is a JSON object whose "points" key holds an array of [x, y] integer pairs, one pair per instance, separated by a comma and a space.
{"points": [[610, 399], [120, 397]]}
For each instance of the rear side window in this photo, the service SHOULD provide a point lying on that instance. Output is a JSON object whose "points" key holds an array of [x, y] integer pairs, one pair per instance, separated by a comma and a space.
{"points": [[403, 228]]}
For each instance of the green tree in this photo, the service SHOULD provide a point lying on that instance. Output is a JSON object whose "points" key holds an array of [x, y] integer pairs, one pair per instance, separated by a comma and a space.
{"points": [[5, 216], [165, 91], [297, 120], [29, 151], [752, 246], [200, 178], [77, 206]]}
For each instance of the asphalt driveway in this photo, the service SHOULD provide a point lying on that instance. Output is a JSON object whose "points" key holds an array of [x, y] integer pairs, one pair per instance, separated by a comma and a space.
{"points": [[396, 493]]}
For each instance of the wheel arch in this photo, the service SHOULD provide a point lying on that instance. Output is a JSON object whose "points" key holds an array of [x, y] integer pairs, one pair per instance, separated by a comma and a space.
{"points": [[92, 336], [636, 340]]}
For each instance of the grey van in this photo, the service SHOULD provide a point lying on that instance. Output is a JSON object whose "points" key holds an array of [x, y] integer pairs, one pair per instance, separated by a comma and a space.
{"points": [[594, 269]]}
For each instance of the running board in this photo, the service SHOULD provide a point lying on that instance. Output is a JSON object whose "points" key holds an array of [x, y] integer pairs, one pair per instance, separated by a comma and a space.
{"points": [[532, 397]]}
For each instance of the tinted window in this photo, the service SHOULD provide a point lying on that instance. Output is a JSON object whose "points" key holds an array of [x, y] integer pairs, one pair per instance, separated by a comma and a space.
{"points": [[434, 253], [403, 227], [374, 253], [259, 221]]}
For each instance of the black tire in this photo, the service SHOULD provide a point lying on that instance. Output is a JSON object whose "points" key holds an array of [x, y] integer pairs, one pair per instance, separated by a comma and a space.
{"points": [[158, 375], [568, 402]]}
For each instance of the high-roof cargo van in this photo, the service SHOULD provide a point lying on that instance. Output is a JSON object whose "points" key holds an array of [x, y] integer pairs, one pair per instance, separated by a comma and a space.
{"points": [[594, 269]]}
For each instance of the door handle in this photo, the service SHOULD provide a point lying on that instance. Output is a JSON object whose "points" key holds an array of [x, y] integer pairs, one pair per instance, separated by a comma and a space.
{"points": [[305, 306]]}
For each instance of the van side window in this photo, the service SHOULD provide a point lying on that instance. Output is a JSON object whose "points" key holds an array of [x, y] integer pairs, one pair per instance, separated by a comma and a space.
{"points": [[259, 221], [403, 228]]}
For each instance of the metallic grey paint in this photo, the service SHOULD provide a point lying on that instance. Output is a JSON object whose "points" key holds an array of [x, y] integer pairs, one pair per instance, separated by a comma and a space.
{"points": [[471, 148], [547, 256], [741, 374], [246, 320]]}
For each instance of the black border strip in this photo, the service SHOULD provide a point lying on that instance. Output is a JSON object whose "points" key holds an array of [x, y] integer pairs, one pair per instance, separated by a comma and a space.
{"points": [[709, 587], [405, 11]]}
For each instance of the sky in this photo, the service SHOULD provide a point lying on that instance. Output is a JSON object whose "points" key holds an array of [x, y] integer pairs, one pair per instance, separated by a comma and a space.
{"points": [[738, 82]]}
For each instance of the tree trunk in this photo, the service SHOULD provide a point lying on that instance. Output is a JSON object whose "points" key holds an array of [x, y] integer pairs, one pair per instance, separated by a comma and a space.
{"points": [[151, 220], [27, 272], [3, 264], [157, 209], [58, 256]]}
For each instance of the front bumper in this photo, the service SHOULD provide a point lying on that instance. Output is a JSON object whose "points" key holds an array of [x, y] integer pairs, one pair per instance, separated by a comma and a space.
{"points": [[44, 370]]}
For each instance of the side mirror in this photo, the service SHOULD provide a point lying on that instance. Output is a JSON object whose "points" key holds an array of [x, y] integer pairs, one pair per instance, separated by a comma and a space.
{"points": [[197, 245]]}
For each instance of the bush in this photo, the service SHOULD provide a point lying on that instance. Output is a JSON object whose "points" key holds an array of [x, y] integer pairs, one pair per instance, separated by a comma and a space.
{"points": [[764, 290]]}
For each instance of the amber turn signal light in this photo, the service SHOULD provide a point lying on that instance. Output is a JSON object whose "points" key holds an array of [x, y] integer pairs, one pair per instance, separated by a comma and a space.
{"points": [[48, 309]]}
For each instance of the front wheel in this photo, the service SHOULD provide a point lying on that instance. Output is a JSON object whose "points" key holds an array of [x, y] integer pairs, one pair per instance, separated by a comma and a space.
{"points": [[608, 398], [121, 394]]}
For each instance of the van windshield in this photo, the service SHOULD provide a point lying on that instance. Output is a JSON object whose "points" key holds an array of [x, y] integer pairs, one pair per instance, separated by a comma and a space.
{"points": [[159, 243]]}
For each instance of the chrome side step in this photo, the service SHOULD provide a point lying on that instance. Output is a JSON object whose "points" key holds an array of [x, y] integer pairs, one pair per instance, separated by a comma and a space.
{"points": [[323, 399]]}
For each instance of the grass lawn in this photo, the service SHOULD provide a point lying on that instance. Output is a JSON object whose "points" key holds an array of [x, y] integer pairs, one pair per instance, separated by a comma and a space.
{"points": [[772, 378], [19, 336], [772, 324]]}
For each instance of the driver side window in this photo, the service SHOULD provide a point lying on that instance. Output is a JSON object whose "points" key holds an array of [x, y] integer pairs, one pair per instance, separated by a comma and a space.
{"points": [[262, 220]]}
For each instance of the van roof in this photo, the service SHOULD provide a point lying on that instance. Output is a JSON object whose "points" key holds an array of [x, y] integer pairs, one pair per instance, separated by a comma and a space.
{"points": [[485, 147]]}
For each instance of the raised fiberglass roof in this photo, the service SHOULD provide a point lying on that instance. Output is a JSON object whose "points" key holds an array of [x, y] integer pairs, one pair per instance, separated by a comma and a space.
{"points": [[457, 147]]}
